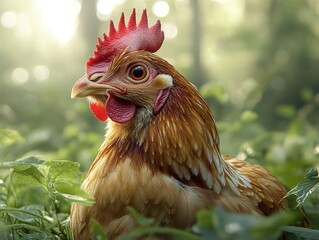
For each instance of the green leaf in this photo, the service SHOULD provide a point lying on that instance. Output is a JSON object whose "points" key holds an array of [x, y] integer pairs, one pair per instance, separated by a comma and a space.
{"points": [[305, 188], [73, 193], [271, 226], [62, 169], [27, 214], [70, 188], [35, 236], [22, 161], [148, 227], [313, 173], [10, 227], [28, 175], [98, 231], [302, 232], [77, 199]]}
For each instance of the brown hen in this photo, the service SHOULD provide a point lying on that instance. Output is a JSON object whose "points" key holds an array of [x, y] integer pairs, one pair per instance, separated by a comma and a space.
{"points": [[161, 151]]}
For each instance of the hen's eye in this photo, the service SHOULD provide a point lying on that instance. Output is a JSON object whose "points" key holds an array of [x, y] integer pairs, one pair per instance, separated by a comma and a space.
{"points": [[138, 72]]}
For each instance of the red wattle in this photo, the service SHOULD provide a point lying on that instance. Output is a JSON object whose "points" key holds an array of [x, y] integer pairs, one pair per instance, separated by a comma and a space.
{"points": [[99, 111], [119, 110]]}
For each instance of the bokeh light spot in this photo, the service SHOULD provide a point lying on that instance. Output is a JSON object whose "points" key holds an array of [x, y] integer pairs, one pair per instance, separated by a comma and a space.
{"points": [[170, 30], [8, 19], [160, 8], [233, 227], [19, 75], [41, 72], [104, 7], [242, 156]]}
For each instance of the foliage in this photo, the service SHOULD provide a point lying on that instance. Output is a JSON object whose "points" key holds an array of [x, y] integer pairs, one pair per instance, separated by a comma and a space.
{"points": [[223, 225], [305, 188]]}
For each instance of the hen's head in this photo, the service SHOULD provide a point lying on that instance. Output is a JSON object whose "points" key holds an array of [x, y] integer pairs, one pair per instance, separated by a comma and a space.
{"points": [[124, 74]]}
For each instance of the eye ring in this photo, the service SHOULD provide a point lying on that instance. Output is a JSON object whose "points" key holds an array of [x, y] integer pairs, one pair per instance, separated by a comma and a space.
{"points": [[138, 73]]}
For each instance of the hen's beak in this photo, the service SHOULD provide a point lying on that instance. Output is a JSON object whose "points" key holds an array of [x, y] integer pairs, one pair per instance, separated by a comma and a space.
{"points": [[84, 87]]}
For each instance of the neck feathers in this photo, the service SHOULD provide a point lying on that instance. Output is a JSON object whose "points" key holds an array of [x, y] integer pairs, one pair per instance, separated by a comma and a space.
{"points": [[181, 141]]}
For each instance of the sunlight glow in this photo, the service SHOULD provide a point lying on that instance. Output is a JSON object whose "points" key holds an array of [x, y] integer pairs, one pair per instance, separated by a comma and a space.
{"points": [[23, 26], [220, 1], [161, 8], [60, 17]]}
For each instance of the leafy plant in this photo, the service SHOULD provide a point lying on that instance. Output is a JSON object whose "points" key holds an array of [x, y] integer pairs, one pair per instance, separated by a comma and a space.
{"points": [[54, 179], [219, 224]]}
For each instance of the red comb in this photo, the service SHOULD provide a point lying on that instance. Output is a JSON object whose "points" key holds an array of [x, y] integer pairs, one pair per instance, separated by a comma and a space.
{"points": [[131, 37]]}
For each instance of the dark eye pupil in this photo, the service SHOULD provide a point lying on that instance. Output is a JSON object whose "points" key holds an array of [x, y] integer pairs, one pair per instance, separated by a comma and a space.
{"points": [[138, 72]]}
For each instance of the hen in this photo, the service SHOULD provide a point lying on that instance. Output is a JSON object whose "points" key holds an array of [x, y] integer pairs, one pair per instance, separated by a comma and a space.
{"points": [[161, 152]]}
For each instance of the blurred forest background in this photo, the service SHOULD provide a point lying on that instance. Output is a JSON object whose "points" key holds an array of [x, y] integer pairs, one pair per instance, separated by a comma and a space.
{"points": [[256, 63]]}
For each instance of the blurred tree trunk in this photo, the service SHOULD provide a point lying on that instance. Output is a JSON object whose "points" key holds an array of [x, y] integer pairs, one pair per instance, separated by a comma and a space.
{"points": [[89, 24], [197, 75]]}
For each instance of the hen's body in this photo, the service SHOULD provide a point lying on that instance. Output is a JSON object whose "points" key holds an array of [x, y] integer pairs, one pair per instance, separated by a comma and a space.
{"points": [[168, 166]]}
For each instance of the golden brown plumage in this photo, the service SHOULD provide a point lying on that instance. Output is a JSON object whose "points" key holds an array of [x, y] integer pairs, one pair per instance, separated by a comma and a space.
{"points": [[166, 164]]}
